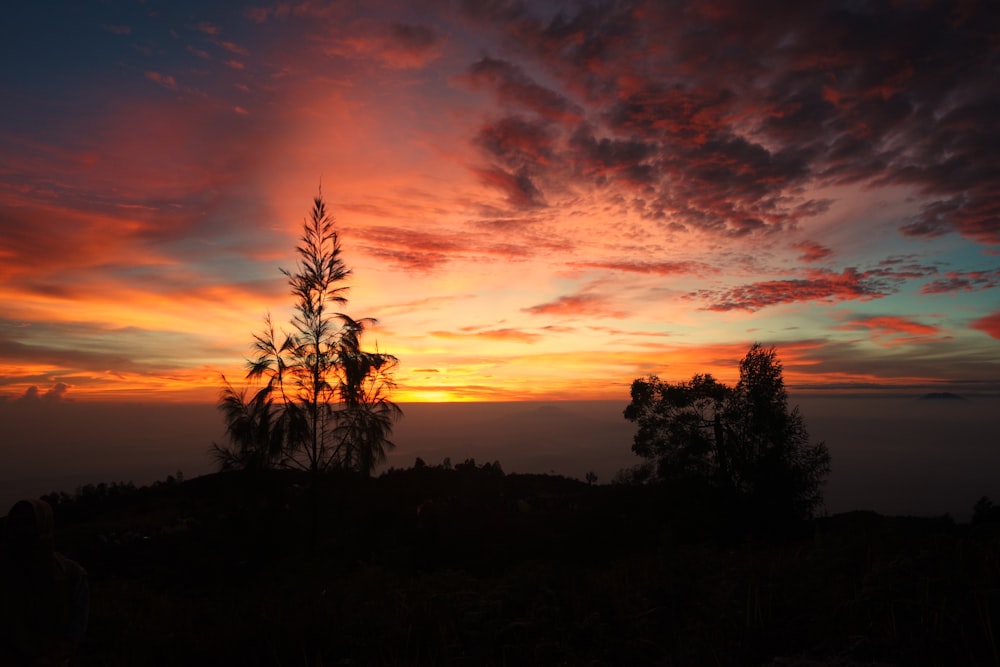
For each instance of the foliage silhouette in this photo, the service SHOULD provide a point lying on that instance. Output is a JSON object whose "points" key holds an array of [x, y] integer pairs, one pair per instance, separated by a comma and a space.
{"points": [[435, 566], [253, 428], [985, 512], [742, 442], [317, 400]]}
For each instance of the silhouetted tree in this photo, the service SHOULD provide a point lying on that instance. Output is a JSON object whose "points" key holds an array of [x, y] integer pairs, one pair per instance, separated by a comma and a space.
{"points": [[253, 427], [367, 417], [321, 400], [984, 511], [744, 441]]}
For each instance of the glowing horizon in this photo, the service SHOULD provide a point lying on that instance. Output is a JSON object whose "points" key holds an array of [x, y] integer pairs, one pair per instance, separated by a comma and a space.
{"points": [[537, 202]]}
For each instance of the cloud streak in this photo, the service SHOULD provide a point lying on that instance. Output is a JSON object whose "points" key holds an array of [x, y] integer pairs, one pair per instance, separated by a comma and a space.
{"points": [[577, 305], [989, 324], [819, 285]]}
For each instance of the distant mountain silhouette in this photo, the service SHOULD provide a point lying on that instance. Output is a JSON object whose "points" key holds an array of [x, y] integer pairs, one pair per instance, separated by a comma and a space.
{"points": [[942, 396]]}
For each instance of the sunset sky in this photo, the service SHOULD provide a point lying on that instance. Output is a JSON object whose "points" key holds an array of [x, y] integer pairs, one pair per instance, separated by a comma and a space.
{"points": [[539, 200]]}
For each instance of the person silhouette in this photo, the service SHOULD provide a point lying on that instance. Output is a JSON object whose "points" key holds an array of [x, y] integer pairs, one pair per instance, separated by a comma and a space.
{"points": [[44, 596]]}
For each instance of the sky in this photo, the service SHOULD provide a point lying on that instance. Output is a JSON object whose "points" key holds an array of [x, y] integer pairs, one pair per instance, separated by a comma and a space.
{"points": [[538, 200]]}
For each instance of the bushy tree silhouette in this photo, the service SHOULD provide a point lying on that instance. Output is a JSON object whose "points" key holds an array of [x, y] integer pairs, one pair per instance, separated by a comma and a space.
{"points": [[744, 441], [254, 429], [320, 400]]}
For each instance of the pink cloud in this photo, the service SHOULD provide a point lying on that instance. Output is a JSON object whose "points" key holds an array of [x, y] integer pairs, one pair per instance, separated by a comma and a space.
{"points": [[232, 47], [576, 305], [812, 251], [396, 46], [892, 324], [895, 330], [165, 80], [990, 325]]}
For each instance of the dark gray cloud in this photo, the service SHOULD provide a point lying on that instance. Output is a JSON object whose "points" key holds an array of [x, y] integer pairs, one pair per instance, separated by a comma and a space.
{"points": [[814, 285], [56, 392], [515, 88], [728, 114], [963, 281]]}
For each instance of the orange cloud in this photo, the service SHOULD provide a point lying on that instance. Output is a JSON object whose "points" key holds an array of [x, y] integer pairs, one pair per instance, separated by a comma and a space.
{"points": [[657, 268], [515, 335], [576, 305]]}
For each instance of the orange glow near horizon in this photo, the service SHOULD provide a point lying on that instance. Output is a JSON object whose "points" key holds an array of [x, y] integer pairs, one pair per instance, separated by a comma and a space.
{"points": [[517, 382]]}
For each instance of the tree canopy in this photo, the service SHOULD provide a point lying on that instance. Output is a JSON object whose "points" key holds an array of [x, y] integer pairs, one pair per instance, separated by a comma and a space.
{"points": [[743, 441]]}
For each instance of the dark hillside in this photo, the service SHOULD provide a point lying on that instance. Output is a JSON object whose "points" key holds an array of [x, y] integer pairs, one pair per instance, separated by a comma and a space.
{"points": [[471, 566]]}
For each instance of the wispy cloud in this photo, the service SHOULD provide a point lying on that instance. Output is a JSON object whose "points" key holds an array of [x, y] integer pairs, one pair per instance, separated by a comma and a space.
{"points": [[967, 281], [165, 80], [516, 89], [577, 305], [891, 324], [232, 47], [812, 251], [848, 285], [207, 28], [504, 334], [654, 268], [895, 330], [989, 324], [400, 46]]}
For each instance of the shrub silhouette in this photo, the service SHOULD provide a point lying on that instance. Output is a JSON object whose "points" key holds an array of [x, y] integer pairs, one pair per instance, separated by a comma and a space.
{"points": [[317, 400]]}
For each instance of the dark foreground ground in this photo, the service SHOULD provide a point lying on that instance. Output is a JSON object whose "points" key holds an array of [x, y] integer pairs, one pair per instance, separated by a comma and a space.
{"points": [[430, 566]]}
